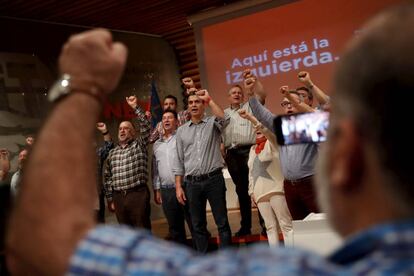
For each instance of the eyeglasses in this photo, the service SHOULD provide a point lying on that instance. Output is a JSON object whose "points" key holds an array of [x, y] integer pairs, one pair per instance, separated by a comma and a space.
{"points": [[285, 103]]}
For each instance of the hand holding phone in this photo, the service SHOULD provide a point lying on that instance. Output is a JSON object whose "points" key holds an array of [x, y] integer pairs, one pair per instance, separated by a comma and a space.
{"points": [[301, 128]]}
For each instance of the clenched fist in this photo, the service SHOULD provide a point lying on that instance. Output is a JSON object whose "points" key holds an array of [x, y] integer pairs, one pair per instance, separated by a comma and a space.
{"points": [[93, 61], [132, 101], [101, 127]]}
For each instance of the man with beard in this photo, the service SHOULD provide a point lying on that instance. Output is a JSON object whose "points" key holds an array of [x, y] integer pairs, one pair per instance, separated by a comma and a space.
{"points": [[364, 181]]}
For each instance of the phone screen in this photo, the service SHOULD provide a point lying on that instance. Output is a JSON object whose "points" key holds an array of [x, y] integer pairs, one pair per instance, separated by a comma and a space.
{"points": [[302, 128]]}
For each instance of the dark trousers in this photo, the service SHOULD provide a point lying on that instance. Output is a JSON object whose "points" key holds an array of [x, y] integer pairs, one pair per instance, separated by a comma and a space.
{"points": [[100, 215], [212, 189], [300, 197], [175, 214], [132, 206], [236, 160]]}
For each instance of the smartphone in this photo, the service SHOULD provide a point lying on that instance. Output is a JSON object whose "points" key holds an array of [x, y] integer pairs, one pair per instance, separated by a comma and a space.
{"points": [[301, 128]]}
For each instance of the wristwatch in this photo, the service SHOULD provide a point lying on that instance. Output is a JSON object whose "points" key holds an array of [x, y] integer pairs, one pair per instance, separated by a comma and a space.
{"points": [[60, 88], [65, 85]]}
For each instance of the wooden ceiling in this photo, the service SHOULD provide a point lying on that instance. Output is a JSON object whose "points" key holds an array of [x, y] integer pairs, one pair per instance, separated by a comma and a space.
{"points": [[167, 18]]}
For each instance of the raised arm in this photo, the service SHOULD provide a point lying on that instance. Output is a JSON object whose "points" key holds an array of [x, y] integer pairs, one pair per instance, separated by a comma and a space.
{"points": [[104, 130], [215, 108], [261, 113], [41, 239], [299, 104], [156, 133], [143, 121], [258, 126], [253, 86], [320, 96]]}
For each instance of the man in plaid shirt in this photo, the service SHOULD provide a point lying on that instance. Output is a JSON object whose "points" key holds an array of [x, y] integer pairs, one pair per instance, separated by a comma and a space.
{"points": [[126, 173]]}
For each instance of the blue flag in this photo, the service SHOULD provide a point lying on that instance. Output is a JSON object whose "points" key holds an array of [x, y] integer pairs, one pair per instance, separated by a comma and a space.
{"points": [[155, 106]]}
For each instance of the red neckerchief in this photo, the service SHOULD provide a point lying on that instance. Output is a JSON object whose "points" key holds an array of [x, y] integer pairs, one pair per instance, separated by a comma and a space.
{"points": [[260, 143]]}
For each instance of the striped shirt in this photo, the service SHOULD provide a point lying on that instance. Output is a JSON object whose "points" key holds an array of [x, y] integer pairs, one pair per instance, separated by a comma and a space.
{"points": [[183, 117], [107, 250], [239, 131], [127, 167]]}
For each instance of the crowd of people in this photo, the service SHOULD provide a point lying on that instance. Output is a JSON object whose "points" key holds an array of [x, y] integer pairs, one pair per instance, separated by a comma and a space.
{"points": [[362, 181]]}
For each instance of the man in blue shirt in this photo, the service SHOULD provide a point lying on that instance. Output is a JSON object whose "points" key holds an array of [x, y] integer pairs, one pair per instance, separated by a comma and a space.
{"points": [[364, 181], [164, 155]]}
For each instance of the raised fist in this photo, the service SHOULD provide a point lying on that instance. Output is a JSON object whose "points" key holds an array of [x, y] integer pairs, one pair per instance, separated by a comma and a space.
{"points": [[304, 77], [249, 84], [247, 73], [93, 60], [132, 101], [243, 113], [203, 94], [188, 82], [284, 89], [29, 140], [101, 127]]}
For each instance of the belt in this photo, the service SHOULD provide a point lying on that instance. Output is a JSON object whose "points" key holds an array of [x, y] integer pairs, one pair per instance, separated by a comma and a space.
{"points": [[135, 188], [299, 181], [169, 186], [203, 177], [243, 147]]}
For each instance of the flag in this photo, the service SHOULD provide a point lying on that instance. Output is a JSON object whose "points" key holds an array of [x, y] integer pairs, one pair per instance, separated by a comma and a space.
{"points": [[154, 106]]}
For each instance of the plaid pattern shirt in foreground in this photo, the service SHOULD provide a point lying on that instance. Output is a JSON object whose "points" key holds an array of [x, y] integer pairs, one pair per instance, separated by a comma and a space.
{"points": [[127, 167], [383, 250]]}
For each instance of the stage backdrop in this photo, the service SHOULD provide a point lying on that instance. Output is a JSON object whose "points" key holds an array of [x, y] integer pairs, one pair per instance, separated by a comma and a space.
{"points": [[279, 42]]}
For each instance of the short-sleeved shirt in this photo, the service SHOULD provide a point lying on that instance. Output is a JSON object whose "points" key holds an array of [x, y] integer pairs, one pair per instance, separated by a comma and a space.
{"points": [[239, 131]]}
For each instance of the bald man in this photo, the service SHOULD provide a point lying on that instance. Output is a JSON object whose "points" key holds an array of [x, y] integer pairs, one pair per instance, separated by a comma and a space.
{"points": [[126, 173]]}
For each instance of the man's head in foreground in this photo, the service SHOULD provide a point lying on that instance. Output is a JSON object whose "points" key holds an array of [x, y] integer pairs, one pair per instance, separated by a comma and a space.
{"points": [[365, 176]]}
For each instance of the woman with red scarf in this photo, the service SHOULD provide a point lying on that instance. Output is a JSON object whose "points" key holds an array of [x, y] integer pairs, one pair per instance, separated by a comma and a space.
{"points": [[266, 183]]}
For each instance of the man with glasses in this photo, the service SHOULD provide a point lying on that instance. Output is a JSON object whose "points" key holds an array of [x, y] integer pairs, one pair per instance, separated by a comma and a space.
{"points": [[309, 90]]}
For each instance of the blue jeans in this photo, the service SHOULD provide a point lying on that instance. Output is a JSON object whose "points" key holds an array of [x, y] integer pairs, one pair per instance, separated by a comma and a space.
{"points": [[198, 192]]}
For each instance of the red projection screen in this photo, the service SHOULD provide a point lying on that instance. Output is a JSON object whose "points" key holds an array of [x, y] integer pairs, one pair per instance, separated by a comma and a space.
{"points": [[279, 42]]}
